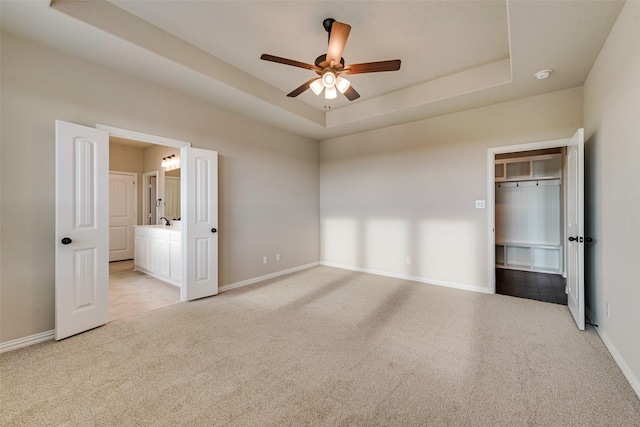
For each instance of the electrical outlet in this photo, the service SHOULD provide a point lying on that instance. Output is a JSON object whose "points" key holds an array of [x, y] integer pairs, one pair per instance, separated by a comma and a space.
{"points": [[407, 260], [277, 257], [265, 259]]}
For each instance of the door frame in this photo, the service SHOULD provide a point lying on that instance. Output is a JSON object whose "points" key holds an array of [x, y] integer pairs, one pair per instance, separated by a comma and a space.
{"points": [[157, 140], [146, 180], [491, 198]]}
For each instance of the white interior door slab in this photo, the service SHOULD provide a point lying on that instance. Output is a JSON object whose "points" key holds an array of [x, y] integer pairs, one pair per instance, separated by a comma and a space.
{"points": [[82, 229], [199, 223], [122, 214], [575, 227]]}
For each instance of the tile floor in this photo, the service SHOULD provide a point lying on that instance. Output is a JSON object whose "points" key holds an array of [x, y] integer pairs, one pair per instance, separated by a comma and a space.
{"points": [[527, 284], [132, 292]]}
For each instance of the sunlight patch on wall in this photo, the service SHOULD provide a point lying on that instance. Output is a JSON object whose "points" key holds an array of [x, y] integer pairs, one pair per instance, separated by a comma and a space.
{"points": [[387, 245], [340, 241], [448, 251]]}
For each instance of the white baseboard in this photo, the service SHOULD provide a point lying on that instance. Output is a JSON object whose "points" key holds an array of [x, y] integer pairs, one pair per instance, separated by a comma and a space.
{"points": [[27, 341], [481, 289], [265, 277], [626, 371]]}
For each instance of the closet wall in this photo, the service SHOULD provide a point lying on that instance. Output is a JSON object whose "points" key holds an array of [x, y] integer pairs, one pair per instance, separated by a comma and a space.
{"points": [[529, 211]]}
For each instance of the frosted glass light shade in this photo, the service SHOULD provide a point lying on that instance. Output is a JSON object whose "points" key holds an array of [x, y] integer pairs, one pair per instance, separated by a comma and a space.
{"points": [[342, 84], [316, 86], [330, 92]]}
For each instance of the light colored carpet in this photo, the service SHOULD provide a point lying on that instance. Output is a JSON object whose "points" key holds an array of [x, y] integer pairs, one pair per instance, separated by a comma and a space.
{"points": [[326, 347]]}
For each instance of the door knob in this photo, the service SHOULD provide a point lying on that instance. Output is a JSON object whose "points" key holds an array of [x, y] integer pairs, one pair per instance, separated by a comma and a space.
{"points": [[573, 239], [66, 241], [213, 230], [589, 240]]}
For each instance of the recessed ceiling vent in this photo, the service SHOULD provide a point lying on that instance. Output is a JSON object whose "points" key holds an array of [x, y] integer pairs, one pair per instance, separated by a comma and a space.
{"points": [[543, 74]]}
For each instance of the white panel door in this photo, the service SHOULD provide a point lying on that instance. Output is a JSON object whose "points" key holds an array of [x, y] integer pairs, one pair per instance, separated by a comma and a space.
{"points": [[82, 229], [199, 223], [575, 227], [122, 215]]}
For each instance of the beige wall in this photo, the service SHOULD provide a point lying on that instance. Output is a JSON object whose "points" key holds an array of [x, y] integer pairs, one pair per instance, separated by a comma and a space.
{"points": [[612, 131], [123, 158], [410, 190], [153, 156], [268, 178]]}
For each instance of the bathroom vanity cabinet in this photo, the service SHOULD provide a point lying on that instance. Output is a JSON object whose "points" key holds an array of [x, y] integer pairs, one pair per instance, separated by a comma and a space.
{"points": [[158, 252]]}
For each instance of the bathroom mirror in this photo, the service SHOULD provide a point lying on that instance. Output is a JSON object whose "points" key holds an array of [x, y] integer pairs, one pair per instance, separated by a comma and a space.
{"points": [[172, 194]]}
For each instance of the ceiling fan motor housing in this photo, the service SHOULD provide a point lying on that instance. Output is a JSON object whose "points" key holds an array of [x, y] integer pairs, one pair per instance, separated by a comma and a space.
{"points": [[321, 61]]}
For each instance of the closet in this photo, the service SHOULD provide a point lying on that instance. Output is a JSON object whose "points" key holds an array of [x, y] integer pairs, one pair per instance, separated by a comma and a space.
{"points": [[529, 211]]}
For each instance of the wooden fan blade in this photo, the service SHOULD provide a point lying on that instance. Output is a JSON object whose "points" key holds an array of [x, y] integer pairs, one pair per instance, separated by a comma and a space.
{"points": [[351, 94], [297, 91], [337, 40], [285, 61], [373, 67]]}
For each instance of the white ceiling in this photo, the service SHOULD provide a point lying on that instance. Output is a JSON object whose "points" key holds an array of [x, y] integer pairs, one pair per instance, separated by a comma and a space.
{"points": [[455, 54]]}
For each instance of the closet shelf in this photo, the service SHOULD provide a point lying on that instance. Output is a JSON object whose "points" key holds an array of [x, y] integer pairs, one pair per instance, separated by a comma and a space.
{"points": [[528, 179], [532, 168], [524, 244], [529, 257]]}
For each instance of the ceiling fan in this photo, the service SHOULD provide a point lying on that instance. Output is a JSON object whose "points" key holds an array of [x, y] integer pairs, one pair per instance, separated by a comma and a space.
{"points": [[330, 66]]}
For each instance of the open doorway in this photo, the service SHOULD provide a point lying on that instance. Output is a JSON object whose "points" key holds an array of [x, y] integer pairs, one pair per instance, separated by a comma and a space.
{"points": [[189, 255], [131, 291], [572, 230], [571, 248], [529, 224]]}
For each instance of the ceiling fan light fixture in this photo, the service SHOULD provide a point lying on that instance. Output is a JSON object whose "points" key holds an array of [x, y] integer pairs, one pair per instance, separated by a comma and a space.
{"points": [[317, 86], [329, 79], [330, 92], [342, 84], [329, 67]]}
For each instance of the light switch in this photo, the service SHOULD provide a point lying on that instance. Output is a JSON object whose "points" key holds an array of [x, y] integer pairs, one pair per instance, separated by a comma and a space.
{"points": [[479, 204]]}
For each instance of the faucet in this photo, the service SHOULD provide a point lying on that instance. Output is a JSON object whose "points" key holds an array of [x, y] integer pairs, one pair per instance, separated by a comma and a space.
{"points": [[167, 221]]}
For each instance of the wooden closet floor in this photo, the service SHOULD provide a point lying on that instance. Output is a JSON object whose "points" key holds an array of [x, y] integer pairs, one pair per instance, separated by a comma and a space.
{"points": [[527, 284]]}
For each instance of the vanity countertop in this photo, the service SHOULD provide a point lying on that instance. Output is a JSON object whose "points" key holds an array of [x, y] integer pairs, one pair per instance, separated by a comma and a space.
{"points": [[173, 227]]}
